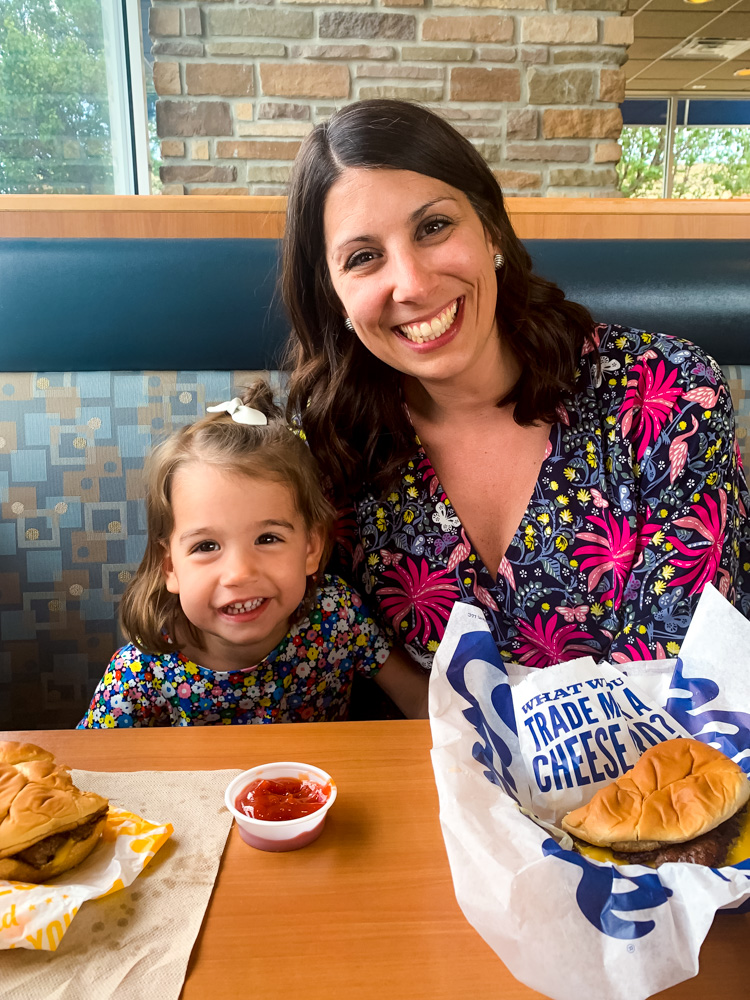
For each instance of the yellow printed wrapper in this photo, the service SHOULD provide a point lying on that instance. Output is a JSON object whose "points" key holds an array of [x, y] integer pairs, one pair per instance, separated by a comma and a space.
{"points": [[37, 916]]}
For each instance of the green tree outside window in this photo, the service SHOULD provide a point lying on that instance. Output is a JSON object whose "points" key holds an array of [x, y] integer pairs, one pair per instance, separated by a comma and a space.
{"points": [[709, 162], [54, 109]]}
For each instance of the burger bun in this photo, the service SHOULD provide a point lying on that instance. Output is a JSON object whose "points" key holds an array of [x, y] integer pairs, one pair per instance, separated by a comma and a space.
{"points": [[677, 791]]}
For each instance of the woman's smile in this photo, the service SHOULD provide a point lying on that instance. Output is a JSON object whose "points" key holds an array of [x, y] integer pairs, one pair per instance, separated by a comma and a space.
{"points": [[421, 331]]}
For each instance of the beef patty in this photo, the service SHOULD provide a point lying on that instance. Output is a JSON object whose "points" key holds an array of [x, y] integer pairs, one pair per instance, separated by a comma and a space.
{"points": [[709, 849], [39, 854]]}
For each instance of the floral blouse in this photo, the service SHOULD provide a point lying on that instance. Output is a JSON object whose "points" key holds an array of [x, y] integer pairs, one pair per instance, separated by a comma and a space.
{"points": [[307, 678], [641, 500]]}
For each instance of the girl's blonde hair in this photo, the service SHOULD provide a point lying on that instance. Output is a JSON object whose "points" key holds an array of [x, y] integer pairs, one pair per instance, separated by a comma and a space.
{"points": [[149, 613]]}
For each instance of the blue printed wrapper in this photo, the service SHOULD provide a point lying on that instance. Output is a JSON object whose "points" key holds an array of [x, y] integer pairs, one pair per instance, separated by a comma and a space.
{"points": [[510, 742]]}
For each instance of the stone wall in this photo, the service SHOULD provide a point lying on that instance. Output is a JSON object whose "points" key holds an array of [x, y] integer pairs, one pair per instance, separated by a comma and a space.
{"points": [[535, 84]]}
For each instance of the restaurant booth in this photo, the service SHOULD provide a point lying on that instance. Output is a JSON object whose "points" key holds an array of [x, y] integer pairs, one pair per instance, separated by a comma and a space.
{"points": [[122, 319]]}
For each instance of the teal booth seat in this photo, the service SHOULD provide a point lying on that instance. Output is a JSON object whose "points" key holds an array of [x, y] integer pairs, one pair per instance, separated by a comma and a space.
{"points": [[126, 304], [108, 345]]}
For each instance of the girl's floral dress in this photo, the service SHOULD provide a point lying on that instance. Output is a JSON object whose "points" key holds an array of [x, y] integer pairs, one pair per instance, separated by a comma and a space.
{"points": [[641, 501], [307, 678]]}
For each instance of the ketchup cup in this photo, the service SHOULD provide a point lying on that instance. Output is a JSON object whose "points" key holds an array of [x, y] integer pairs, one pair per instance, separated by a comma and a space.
{"points": [[286, 834]]}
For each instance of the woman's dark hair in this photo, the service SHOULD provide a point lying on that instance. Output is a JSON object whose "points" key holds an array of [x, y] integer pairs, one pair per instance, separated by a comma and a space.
{"points": [[149, 613], [349, 400]]}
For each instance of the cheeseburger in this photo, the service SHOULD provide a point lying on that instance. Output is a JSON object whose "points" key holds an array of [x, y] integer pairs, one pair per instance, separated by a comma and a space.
{"points": [[681, 802], [47, 825]]}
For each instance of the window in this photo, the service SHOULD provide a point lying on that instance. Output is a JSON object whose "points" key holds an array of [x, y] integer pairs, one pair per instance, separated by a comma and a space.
{"points": [[73, 116], [644, 148], [685, 148]]}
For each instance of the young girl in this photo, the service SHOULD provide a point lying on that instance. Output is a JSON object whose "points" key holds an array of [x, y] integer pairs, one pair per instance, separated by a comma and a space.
{"points": [[229, 618]]}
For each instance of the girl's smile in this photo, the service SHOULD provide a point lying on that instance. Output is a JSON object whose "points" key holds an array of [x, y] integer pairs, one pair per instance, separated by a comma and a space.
{"points": [[239, 557], [238, 608]]}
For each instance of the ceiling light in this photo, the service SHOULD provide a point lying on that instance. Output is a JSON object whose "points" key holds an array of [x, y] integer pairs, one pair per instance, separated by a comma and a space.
{"points": [[742, 72], [697, 1], [698, 86]]}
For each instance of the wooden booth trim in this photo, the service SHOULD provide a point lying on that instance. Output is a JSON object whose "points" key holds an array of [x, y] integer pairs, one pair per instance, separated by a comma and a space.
{"points": [[200, 216]]}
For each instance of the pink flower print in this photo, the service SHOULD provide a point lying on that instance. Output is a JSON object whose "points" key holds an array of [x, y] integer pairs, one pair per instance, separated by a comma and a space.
{"points": [[429, 595], [649, 399], [460, 552], [599, 500], [738, 455], [505, 569], [701, 561], [429, 475], [183, 690], [616, 550], [481, 593], [724, 579], [592, 341], [678, 452], [545, 643], [705, 397], [638, 650]]}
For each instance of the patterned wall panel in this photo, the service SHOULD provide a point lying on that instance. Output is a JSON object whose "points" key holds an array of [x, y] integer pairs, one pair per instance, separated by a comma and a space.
{"points": [[72, 525], [738, 377]]}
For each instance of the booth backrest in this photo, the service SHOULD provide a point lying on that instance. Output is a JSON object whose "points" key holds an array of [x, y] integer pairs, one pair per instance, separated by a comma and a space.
{"points": [[107, 345], [212, 304]]}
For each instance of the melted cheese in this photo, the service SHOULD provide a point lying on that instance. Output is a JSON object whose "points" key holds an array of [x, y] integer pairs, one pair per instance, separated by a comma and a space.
{"points": [[738, 851]]}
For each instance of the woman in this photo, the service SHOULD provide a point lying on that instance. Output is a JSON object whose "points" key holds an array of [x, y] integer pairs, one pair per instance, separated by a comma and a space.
{"points": [[580, 483]]}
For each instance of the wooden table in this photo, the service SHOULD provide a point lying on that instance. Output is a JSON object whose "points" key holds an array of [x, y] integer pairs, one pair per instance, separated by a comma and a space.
{"points": [[368, 911]]}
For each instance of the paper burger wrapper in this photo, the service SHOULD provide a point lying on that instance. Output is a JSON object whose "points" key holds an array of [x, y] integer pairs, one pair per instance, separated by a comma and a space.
{"points": [[37, 916]]}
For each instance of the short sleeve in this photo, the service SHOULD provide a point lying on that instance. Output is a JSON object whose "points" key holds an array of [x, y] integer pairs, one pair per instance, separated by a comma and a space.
{"points": [[122, 699]]}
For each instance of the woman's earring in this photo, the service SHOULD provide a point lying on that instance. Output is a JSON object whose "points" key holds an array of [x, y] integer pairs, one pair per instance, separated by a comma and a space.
{"points": [[499, 261], [349, 325]]}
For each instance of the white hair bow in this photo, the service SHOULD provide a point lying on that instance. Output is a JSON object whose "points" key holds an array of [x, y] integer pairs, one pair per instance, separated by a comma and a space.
{"points": [[240, 413]]}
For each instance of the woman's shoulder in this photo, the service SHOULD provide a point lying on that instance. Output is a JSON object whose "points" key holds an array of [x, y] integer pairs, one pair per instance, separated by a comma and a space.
{"points": [[640, 364], [630, 346]]}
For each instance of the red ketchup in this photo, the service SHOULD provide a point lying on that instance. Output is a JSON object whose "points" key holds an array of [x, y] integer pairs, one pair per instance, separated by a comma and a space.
{"points": [[278, 799]]}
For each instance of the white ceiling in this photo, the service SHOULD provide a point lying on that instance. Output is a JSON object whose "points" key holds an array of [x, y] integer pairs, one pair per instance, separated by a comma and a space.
{"points": [[661, 25]]}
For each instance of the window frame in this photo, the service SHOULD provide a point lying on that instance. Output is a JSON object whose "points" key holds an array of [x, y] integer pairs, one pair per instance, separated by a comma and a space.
{"points": [[136, 91], [672, 124]]}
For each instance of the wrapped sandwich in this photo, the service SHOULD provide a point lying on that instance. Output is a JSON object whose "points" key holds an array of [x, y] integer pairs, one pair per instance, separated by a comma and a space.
{"points": [[47, 825], [682, 801]]}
